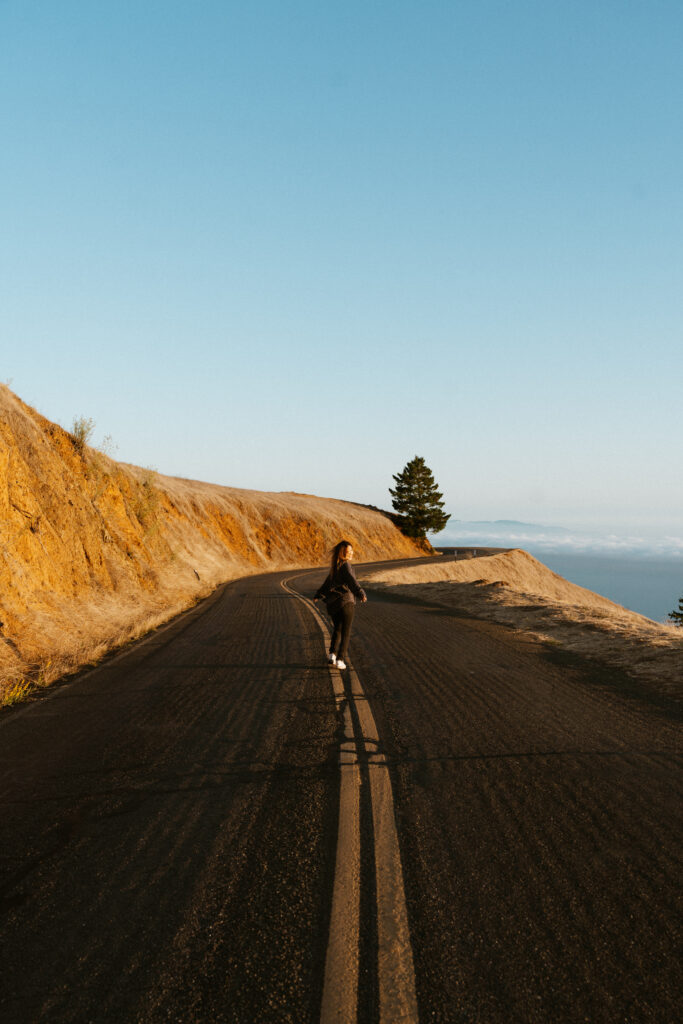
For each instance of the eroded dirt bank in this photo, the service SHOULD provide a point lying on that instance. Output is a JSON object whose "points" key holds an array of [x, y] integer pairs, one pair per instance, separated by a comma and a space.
{"points": [[95, 552]]}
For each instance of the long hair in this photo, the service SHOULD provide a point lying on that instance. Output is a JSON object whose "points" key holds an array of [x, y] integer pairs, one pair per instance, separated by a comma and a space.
{"points": [[338, 554]]}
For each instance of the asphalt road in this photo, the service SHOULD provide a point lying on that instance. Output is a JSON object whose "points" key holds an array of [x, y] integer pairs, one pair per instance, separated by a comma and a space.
{"points": [[169, 825]]}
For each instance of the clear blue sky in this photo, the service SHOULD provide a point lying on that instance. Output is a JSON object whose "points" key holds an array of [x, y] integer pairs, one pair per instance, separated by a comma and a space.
{"points": [[289, 245]]}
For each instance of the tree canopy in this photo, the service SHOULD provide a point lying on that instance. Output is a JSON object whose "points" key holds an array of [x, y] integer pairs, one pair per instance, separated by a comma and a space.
{"points": [[677, 617], [417, 499]]}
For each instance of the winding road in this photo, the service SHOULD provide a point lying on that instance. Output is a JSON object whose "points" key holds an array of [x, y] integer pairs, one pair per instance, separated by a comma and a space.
{"points": [[465, 826]]}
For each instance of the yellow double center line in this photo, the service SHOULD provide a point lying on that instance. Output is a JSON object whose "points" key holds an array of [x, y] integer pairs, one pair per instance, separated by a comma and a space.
{"points": [[396, 975]]}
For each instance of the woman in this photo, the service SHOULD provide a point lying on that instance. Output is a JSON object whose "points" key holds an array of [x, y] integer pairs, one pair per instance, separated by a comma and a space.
{"points": [[340, 591]]}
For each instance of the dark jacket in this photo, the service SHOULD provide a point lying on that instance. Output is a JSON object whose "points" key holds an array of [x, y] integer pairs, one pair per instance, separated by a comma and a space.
{"points": [[341, 587]]}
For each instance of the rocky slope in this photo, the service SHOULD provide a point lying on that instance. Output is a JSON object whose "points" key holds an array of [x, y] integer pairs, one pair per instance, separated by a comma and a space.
{"points": [[94, 552]]}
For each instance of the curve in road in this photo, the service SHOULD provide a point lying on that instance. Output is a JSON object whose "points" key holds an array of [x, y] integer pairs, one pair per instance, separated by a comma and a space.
{"points": [[172, 827]]}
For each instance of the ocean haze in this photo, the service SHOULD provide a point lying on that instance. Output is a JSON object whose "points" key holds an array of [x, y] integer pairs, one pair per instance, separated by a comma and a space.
{"points": [[637, 542], [642, 571]]}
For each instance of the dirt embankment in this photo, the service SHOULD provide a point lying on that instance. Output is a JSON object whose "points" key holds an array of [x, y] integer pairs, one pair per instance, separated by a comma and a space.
{"points": [[516, 589], [95, 552]]}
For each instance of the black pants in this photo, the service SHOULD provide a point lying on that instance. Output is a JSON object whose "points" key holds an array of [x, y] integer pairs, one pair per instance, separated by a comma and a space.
{"points": [[342, 619]]}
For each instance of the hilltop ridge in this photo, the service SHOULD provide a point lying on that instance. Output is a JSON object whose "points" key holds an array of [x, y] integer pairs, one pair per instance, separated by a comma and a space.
{"points": [[95, 552]]}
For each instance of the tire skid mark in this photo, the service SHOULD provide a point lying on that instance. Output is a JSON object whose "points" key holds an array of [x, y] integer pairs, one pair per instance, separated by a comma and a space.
{"points": [[396, 974]]}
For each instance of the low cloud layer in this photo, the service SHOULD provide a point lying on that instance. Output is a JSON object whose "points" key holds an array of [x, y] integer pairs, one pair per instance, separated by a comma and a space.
{"points": [[557, 539]]}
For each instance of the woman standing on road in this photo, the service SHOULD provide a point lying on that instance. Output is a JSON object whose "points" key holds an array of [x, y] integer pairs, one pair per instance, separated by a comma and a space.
{"points": [[340, 591]]}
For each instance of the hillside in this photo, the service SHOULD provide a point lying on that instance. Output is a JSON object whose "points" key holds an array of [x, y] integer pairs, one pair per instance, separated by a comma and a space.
{"points": [[515, 589], [95, 552]]}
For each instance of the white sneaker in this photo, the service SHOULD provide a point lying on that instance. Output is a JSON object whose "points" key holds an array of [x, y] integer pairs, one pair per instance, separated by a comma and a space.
{"points": [[332, 659], [340, 663]]}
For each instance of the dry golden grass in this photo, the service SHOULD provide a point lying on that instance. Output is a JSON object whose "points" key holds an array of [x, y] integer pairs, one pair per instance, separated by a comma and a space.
{"points": [[515, 589], [94, 553]]}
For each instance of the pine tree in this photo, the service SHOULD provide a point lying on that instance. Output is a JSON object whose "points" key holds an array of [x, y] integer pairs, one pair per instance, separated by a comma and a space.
{"points": [[677, 617], [417, 500]]}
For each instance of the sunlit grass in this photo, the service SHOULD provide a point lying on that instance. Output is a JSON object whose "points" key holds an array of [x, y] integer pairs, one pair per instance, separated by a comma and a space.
{"points": [[14, 693]]}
